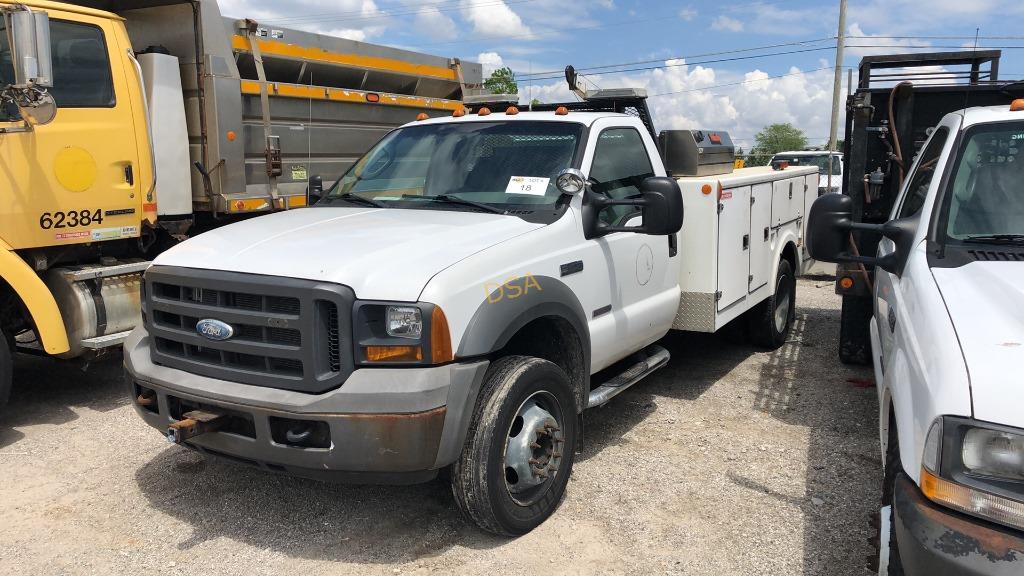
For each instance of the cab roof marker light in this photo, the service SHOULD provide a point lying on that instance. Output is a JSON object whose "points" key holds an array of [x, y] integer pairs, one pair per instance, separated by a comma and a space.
{"points": [[512, 111], [421, 116], [484, 111], [1017, 105], [561, 111], [459, 112]]}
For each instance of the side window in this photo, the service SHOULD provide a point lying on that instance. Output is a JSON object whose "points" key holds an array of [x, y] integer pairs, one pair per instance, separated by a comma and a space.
{"points": [[921, 179], [81, 67], [620, 165], [8, 111]]}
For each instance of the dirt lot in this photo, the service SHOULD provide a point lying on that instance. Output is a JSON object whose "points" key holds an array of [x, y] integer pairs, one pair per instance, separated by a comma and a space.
{"points": [[729, 461]]}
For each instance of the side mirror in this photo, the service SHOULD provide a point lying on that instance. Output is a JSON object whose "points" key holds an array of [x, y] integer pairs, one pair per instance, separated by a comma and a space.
{"points": [[314, 189], [828, 227], [660, 202], [830, 222], [28, 32]]}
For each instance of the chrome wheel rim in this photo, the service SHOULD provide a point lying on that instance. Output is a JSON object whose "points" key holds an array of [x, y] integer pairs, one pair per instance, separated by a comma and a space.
{"points": [[534, 441], [782, 307]]}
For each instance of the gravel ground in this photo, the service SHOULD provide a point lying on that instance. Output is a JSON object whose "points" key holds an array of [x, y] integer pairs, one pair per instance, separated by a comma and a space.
{"points": [[728, 461]]}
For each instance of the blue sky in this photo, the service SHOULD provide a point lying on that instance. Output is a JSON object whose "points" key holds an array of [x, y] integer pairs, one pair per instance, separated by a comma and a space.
{"points": [[740, 95]]}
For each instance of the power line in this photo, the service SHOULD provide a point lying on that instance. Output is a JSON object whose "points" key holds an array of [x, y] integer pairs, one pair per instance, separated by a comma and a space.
{"points": [[706, 54], [646, 68]]}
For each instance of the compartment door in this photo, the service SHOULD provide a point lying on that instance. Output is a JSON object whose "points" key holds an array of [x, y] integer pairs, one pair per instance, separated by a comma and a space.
{"points": [[733, 245], [787, 201], [760, 235]]}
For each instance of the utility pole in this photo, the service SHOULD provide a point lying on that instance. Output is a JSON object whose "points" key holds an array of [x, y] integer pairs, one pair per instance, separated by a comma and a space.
{"points": [[837, 87]]}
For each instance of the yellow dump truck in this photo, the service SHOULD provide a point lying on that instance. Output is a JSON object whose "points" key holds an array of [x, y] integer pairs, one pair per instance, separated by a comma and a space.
{"points": [[126, 126]]}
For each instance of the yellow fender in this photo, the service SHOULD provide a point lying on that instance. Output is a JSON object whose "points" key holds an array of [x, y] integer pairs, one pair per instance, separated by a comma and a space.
{"points": [[37, 298]]}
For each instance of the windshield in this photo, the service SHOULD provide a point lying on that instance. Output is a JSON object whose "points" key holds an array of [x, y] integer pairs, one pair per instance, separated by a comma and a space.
{"points": [[501, 164], [821, 161], [988, 187]]}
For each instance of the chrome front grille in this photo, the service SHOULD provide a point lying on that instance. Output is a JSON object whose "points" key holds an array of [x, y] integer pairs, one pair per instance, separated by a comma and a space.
{"points": [[285, 333]]}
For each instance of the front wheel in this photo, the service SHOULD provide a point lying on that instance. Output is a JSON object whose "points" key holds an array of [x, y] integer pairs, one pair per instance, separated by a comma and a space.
{"points": [[520, 448], [771, 320]]}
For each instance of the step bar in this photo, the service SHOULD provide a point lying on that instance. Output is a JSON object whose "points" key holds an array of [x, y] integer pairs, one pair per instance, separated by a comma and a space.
{"points": [[654, 357]]}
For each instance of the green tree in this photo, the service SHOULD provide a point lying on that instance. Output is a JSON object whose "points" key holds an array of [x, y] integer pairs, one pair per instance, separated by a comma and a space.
{"points": [[774, 139], [502, 81]]}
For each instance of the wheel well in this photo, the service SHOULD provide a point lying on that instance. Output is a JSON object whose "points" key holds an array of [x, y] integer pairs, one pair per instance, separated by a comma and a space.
{"points": [[12, 317], [553, 339], [789, 254]]}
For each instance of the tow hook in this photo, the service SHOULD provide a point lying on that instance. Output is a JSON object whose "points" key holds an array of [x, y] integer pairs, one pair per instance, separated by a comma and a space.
{"points": [[193, 424]]}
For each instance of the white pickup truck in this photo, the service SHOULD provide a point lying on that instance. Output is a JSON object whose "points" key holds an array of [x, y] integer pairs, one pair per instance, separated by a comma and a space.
{"points": [[459, 298], [948, 339]]}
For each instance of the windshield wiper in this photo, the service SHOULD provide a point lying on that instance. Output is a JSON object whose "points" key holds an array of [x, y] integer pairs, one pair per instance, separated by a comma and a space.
{"points": [[356, 199], [448, 198], [996, 239]]}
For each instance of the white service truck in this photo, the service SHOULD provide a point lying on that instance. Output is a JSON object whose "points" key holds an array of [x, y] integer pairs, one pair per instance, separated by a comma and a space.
{"points": [[947, 339], [460, 296]]}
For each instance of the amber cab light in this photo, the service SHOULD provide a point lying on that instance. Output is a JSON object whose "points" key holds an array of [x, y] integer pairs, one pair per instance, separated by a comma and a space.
{"points": [[484, 111], [421, 116], [1017, 105], [561, 111], [512, 111]]}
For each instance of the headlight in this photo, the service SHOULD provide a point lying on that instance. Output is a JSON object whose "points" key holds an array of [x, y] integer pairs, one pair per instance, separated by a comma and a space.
{"points": [[399, 333], [405, 322], [976, 468]]}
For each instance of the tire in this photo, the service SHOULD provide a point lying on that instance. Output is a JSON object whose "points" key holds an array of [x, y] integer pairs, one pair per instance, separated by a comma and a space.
{"points": [[517, 392], [854, 332], [893, 470], [6, 370], [772, 320]]}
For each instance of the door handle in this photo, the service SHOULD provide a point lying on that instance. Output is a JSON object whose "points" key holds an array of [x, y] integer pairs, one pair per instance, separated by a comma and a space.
{"points": [[766, 229], [892, 319], [746, 241], [129, 175]]}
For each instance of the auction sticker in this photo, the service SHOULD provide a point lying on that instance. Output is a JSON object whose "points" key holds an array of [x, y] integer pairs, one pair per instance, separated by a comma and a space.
{"points": [[529, 185]]}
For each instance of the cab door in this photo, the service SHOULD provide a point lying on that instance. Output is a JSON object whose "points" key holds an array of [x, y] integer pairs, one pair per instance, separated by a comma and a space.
{"points": [[76, 179], [635, 299], [891, 305]]}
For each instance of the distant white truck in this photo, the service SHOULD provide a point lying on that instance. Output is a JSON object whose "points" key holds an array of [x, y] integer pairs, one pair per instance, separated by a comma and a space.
{"points": [[947, 342], [461, 296], [821, 159]]}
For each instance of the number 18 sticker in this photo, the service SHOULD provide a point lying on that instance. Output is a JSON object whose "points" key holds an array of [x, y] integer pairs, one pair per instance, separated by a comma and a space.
{"points": [[529, 185]]}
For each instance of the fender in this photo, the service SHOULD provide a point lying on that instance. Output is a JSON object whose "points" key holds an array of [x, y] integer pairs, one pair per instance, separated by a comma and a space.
{"points": [[42, 308], [786, 235], [515, 304]]}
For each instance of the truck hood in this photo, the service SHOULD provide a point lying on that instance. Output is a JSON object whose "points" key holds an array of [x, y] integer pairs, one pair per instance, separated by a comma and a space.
{"points": [[986, 305], [382, 254]]}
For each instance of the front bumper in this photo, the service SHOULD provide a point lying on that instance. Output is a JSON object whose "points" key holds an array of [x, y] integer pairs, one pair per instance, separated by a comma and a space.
{"points": [[387, 425], [935, 540]]}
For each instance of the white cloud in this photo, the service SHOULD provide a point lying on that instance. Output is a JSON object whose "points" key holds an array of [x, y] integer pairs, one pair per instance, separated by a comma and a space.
{"points": [[684, 96], [352, 19], [726, 23], [688, 13], [494, 19], [490, 61], [435, 24]]}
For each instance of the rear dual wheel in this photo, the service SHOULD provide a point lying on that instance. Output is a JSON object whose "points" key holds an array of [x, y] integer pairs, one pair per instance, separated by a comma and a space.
{"points": [[519, 452], [772, 320]]}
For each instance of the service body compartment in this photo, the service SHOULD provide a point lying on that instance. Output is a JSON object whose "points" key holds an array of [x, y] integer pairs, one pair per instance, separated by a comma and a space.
{"points": [[737, 227]]}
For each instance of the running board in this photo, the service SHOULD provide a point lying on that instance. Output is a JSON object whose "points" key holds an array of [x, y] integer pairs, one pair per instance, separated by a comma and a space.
{"points": [[101, 342], [655, 357]]}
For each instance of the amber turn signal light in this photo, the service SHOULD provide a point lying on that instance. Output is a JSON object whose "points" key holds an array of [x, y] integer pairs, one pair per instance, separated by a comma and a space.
{"points": [[846, 282], [440, 338], [393, 353]]}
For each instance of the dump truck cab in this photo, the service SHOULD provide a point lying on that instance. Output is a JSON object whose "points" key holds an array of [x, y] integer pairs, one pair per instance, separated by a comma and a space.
{"points": [[122, 136]]}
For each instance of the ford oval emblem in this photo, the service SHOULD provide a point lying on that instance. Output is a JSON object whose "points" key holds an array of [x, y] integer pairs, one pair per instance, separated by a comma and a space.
{"points": [[214, 329]]}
